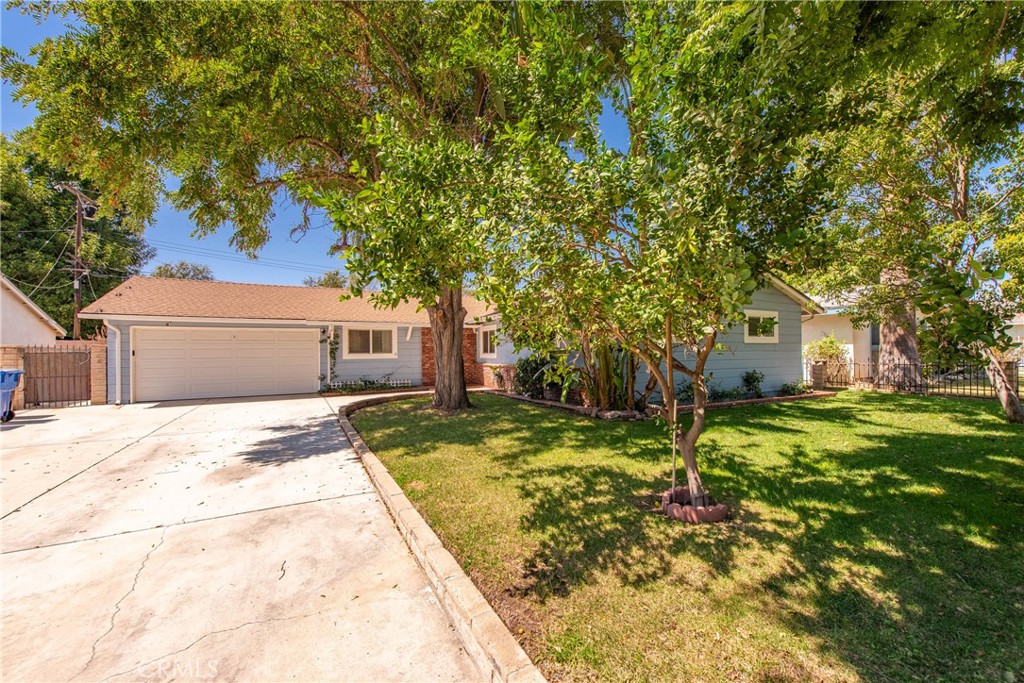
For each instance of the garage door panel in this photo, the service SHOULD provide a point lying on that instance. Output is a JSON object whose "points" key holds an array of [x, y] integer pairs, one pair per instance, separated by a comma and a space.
{"points": [[175, 363]]}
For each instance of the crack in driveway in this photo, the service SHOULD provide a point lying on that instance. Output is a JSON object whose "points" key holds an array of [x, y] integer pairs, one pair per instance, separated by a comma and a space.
{"points": [[207, 635], [117, 605]]}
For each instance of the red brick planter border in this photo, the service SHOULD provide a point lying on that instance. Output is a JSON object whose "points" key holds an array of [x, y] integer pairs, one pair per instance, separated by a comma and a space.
{"points": [[634, 415], [678, 507]]}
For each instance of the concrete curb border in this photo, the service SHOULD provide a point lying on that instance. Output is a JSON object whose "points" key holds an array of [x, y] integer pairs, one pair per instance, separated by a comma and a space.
{"points": [[495, 652]]}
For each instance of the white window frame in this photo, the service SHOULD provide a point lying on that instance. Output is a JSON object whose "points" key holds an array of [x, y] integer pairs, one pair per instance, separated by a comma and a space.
{"points": [[346, 355], [755, 313], [480, 341]]}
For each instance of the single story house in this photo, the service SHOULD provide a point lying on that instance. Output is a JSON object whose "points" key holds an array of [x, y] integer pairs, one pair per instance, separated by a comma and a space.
{"points": [[178, 339], [1016, 328], [22, 323]]}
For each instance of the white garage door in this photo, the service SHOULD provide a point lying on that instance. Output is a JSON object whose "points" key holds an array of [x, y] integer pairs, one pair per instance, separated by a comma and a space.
{"points": [[176, 362]]}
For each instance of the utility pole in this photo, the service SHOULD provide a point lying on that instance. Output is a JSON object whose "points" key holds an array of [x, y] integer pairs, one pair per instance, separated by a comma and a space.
{"points": [[84, 208]]}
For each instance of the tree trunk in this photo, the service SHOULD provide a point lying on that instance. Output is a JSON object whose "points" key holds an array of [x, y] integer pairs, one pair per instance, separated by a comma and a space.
{"points": [[899, 364], [688, 443], [1004, 387], [446, 321]]}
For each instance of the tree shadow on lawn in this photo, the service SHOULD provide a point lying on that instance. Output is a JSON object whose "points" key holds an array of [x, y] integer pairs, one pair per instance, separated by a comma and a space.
{"points": [[904, 554], [902, 546]]}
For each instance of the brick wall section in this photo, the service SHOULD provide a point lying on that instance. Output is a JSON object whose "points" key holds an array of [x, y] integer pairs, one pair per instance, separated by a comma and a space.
{"points": [[474, 371], [13, 358], [98, 372], [428, 369], [508, 373]]}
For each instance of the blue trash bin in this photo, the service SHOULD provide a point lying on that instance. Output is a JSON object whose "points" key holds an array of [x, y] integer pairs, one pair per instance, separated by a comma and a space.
{"points": [[8, 383]]}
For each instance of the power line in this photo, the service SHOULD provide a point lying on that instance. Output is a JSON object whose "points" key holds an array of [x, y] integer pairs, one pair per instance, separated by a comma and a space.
{"points": [[54, 265], [204, 251], [241, 259], [38, 287]]}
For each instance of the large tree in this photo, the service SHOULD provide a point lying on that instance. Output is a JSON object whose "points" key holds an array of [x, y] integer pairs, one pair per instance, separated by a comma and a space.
{"points": [[184, 270], [659, 246], [37, 236], [930, 164], [249, 103]]}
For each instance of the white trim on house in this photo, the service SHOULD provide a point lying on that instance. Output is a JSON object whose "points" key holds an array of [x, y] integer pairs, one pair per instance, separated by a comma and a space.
{"points": [[371, 327], [492, 331], [757, 339], [796, 295]]}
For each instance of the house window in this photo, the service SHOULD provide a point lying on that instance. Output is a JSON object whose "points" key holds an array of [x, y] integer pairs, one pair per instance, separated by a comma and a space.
{"points": [[762, 327], [370, 342], [489, 342]]}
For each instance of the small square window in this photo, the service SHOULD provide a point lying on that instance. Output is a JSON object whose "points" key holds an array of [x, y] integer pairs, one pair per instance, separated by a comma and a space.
{"points": [[762, 327]]}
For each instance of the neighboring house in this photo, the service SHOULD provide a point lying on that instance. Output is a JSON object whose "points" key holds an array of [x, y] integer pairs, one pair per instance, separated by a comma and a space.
{"points": [[1016, 329], [22, 323], [861, 342], [178, 339]]}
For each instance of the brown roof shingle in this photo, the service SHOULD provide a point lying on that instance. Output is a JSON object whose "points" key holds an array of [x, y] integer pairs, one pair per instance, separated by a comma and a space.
{"points": [[170, 297]]}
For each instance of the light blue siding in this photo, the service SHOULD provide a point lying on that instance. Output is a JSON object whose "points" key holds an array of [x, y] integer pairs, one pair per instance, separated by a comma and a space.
{"points": [[408, 366], [126, 354], [780, 362], [506, 352]]}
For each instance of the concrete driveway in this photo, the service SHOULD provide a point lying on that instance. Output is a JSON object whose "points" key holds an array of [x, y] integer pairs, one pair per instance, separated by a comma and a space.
{"points": [[207, 540]]}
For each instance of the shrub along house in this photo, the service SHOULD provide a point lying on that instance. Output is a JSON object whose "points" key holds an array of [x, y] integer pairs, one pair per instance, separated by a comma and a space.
{"points": [[171, 339]]}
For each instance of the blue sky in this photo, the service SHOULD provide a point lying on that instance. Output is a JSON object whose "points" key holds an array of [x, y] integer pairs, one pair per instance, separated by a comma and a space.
{"points": [[282, 261]]}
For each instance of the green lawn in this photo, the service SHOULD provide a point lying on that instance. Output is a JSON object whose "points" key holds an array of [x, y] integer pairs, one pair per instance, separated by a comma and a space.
{"points": [[876, 537]]}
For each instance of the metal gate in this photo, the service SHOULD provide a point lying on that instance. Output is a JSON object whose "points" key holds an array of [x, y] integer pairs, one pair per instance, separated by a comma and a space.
{"points": [[57, 376]]}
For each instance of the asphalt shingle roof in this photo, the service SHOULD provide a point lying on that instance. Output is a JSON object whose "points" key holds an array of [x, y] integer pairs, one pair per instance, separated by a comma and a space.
{"points": [[170, 297]]}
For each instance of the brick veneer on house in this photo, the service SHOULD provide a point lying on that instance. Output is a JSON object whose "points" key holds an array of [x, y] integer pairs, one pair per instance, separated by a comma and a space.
{"points": [[98, 372], [474, 371]]}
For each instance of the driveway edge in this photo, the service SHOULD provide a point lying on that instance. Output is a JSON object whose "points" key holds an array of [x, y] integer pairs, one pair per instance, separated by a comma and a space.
{"points": [[488, 642]]}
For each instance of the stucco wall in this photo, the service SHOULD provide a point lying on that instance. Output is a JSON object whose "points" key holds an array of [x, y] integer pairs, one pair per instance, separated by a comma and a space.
{"points": [[856, 340], [20, 325], [407, 366]]}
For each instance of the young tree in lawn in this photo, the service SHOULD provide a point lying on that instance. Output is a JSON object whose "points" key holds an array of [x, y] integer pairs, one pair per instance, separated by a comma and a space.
{"points": [[658, 247], [930, 161], [249, 103], [184, 270]]}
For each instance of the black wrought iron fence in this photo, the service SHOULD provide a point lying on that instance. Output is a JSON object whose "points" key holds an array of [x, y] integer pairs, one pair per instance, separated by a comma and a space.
{"points": [[970, 380]]}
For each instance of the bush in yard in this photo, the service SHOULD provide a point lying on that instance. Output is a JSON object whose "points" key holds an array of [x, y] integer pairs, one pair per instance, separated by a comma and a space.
{"points": [[794, 389], [827, 348], [529, 379], [752, 383]]}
